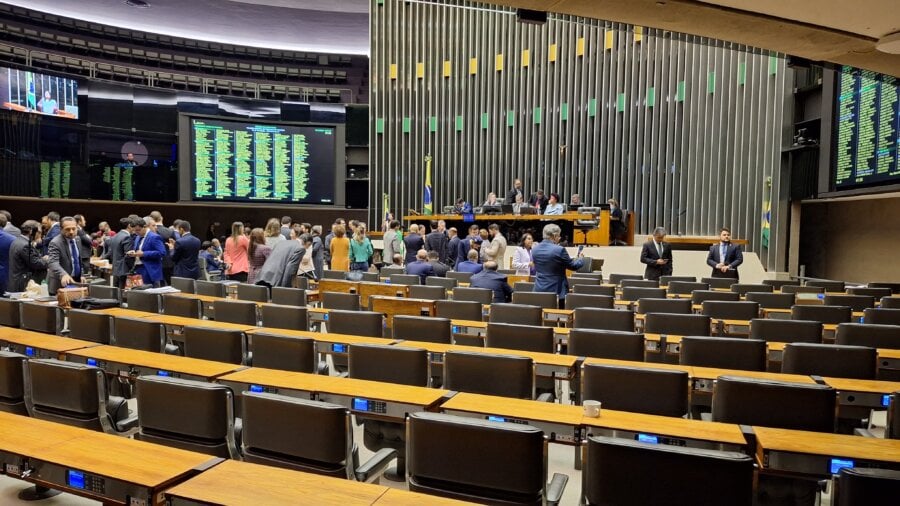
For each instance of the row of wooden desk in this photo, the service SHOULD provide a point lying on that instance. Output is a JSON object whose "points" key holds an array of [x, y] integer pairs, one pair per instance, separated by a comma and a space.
{"points": [[118, 470]]}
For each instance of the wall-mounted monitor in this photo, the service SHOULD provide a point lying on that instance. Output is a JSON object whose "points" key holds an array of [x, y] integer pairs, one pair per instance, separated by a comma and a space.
{"points": [[866, 129], [241, 161], [32, 92]]}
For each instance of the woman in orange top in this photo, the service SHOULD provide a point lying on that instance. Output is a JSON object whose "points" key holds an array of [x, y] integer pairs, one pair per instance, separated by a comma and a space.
{"points": [[340, 249], [235, 256]]}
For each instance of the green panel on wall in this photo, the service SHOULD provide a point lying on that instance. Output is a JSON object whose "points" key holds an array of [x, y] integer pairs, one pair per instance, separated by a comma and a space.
{"points": [[773, 64], [407, 125], [510, 118], [592, 107], [679, 92], [651, 96], [711, 82], [564, 111], [537, 115], [742, 73], [484, 120], [379, 125], [459, 123], [432, 124], [620, 102]]}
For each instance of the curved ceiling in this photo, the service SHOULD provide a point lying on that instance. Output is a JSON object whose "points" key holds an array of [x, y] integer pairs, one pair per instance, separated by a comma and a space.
{"points": [[322, 26]]}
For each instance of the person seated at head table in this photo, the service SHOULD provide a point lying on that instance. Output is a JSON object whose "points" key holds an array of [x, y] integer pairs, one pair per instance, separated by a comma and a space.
{"points": [[553, 206], [491, 200], [462, 207]]}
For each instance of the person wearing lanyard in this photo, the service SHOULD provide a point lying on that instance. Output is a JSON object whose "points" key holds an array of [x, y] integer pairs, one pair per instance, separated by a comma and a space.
{"points": [[657, 255], [64, 262], [523, 262], [725, 257]]}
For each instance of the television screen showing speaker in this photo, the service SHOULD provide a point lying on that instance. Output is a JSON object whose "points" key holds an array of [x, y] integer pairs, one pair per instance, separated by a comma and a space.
{"points": [[866, 129], [32, 92], [241, 161]]}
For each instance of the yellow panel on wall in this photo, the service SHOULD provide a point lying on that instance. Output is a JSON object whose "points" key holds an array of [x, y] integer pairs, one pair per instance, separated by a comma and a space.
{"points": [[608, 40], [638, 33], [526, 57], [420, 70], [498, 62], [447, 68], [579, 47], [551, 54], [393, 71], [473, 66]]}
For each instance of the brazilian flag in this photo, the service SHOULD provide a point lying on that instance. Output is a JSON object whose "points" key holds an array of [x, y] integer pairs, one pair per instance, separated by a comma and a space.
{"points": [[428, 208]]}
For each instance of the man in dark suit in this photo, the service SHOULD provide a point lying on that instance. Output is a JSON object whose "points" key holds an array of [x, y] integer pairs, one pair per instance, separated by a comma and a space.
{"points": [[440, 268], [85, 246], [420, 266], [149, 251], [657, 255], [539, 199], [6, 241], [25, 258], [551, 262], [413, 243], [52, 230], [437, 241], [492, 280], [166, 234], [516, 190], [725, 257], [452, 246], [462, 207], [116, 248], [185, 252], [64, 264]]}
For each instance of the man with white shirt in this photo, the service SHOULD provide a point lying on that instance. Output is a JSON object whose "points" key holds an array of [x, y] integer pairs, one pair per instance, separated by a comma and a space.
{"points": [[496, 250], [657, 255]]}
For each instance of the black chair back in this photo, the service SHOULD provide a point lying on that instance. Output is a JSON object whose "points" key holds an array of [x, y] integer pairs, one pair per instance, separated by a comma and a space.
{"points": [[236, 311], [219, 345], [610, 465], [185, 285], [828, 285], [286, 353], [459, 310], [802, 289], [483, 373], [343, 301], [544, 300], [640, 283], [724, 353], [637, 292], [668, 280], [578, 300], [878, 293], [9, 312], [771, 300], [606, 344], [685, 287], [778, 283], [462, 277], [701, 296], [719, 282], [255, 293], [71, 394], [389, 364], [182, 306], [867, 334], [865, 486], [824, 314], [838, 361], [890, 302], [448, 283], [778, 404], [743, 288], [786, 331], [427, 292], [140, 334], [104, 292], [288, 296], [639, 389], [731, 310], [481, 295], [90, 326], [12, 385], [517, 313], [40, 318], [422, 328], [211, 288], [143, 301], [284, 317], [856, 302], [616, 279], [677, 324], [589, 289], [604, 319], [676, 306], [876, 316], [190, 415], [330, 274], [523, 286], [520, 337], [405, 279], [357, 323]]}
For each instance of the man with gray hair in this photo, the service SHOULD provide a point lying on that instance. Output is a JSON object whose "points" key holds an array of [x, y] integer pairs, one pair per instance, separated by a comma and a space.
{"points": [[550, 264], [657, 255]]}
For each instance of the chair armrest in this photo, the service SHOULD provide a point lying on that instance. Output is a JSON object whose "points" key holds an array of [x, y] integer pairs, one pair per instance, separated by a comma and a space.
{"points": [[545, 397], [372, 469], [322, 368], [556, 488], [863, 433], [344, 374], [127, 426], [171, 349]]}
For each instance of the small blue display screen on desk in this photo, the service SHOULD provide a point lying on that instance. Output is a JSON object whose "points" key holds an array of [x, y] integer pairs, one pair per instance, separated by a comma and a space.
{"points": [[360, 404], [647, 438], [493, 418], [257, 389], [325, 317], [162, 373], [339, 348], [455, 329], [838, 464], [468, 217], [885, 400], [75, 479], [92, 361], [29, 351]]}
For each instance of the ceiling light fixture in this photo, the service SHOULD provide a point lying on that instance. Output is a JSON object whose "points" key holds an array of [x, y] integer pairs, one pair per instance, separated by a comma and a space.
{"points": [[890, 43], [138, 4]]}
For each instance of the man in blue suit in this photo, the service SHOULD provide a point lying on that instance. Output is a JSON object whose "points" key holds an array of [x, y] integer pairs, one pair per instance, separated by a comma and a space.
{"points": [[420, 267], [185, 251], [550, 263], [725, 257], [492, 280], [148, 252], [6, 241], [471, 264]]}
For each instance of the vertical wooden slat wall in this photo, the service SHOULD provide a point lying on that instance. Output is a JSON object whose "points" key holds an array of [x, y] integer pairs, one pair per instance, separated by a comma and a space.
{"points": [[684, 130]]}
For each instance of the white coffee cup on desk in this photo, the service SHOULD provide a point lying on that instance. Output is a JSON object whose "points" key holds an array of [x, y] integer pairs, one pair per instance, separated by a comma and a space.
{"points": [[591, 408]]}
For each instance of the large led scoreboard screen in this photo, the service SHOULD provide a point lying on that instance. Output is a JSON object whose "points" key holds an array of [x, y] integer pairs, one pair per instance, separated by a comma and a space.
{"points": [[262, 162], [866, 129]]}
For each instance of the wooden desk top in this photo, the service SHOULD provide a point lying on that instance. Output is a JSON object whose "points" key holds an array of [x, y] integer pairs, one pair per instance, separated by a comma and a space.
{"points": [[668, 426], [138, 462], [834, 445], [24, 435], [670, 338], [209, 298], [323, 337], [244, 484], [565, 312], [121, 311], [50, 342], [887, 353], [182, 321], [644, 365], [566, 414], [421, 396], [539, 358], [161, 361], [858, 385], [713, 373], [397, 497], [469, 323]]}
